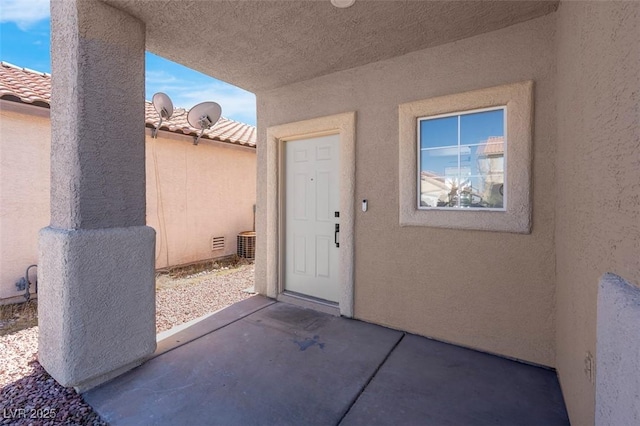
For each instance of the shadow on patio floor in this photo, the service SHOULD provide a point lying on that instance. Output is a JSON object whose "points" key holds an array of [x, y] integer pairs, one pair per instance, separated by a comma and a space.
{"points": [[273, 363]]}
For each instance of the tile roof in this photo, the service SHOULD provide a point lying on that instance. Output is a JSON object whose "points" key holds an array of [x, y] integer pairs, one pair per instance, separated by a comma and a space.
{"points": [[33, 87], [225, 130], [493, 146], [25, 85]]}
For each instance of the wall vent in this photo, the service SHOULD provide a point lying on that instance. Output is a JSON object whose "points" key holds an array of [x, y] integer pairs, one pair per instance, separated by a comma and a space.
{"points": [[217, 243], [247, 244]]}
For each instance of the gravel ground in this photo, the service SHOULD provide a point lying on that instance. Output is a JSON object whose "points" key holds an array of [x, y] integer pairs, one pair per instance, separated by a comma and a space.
{"points": [[183, 299], [29, 396]]}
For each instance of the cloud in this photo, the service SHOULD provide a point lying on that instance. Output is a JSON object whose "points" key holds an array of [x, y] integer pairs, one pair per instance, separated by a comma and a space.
{"points": [[237, 104], [160, 77], [24, 13]]}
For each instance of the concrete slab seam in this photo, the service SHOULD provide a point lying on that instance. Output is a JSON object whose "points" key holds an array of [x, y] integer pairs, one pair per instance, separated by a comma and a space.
{"points": [[373, 375]]}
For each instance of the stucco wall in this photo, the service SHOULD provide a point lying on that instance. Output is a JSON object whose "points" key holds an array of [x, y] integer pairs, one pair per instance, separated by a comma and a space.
{"points": [[206, 190], [24, 191], [598, 177], [489, 290], [195, 193]]}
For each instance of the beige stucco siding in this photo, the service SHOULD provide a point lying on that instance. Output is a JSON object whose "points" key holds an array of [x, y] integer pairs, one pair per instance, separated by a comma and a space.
{"points": [[598, 171], [488, 290], [205, 191], [24, 191], [195, 193]]}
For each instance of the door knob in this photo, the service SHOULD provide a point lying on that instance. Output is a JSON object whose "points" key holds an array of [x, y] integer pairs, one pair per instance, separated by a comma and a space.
{"points": [[335, 235]]}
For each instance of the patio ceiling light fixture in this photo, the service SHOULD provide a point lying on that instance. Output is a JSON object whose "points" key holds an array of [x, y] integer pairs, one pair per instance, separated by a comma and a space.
{"points": [[343, 4], [202, 116]]}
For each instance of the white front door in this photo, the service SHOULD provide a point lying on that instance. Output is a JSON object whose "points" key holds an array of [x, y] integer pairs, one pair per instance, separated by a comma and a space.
{"points": [[312, 198]]}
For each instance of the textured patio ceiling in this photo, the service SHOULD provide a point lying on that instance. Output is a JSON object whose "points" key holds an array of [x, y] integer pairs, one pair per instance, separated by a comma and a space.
{"points": [[260, 45]]}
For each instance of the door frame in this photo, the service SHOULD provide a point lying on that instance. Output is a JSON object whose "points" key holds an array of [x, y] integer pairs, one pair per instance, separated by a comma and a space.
{"points": [[345, 126]]}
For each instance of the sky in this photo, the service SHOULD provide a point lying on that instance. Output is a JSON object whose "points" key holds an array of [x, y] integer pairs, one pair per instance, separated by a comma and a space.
{"points": [[24, 41]]}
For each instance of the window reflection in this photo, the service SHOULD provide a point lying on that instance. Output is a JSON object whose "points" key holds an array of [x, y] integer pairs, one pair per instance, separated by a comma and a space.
{"points": [[468, 171]]}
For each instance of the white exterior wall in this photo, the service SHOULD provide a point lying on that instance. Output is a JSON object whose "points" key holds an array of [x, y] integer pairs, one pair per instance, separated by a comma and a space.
{"points": [[205, 191], [195, 193], [25, 141]]}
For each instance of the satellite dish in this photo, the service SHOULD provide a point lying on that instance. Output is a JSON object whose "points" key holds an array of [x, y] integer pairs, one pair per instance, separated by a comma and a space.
{"points": [[203, 116], [163, 105]]}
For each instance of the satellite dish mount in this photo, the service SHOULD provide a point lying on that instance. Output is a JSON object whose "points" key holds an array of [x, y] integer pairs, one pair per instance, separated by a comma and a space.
{"points": [[163, 105], [204, 116]]}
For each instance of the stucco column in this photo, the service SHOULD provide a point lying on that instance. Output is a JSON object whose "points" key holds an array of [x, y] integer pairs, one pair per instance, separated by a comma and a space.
{"points": [[96, 261]]}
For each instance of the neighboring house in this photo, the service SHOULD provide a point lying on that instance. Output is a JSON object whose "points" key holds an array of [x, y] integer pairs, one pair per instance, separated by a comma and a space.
{"points": [[340, 94], [490, 159], [193, 193]]}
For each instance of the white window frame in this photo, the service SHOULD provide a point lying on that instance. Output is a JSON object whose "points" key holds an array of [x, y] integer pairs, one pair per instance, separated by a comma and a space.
{"points": [[515, 217], [458, 114]]}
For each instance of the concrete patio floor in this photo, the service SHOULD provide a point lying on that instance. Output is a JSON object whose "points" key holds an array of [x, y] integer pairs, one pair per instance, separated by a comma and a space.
{"points": [[264, 363]]}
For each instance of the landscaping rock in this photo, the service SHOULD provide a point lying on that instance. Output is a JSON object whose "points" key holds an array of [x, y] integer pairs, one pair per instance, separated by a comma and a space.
{"points": [[30, 396]]}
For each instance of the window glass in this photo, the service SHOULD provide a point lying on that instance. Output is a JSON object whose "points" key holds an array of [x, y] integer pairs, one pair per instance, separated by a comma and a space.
{"points": [[477, 127], [439, 132], [440, 161], [462, 160]]}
